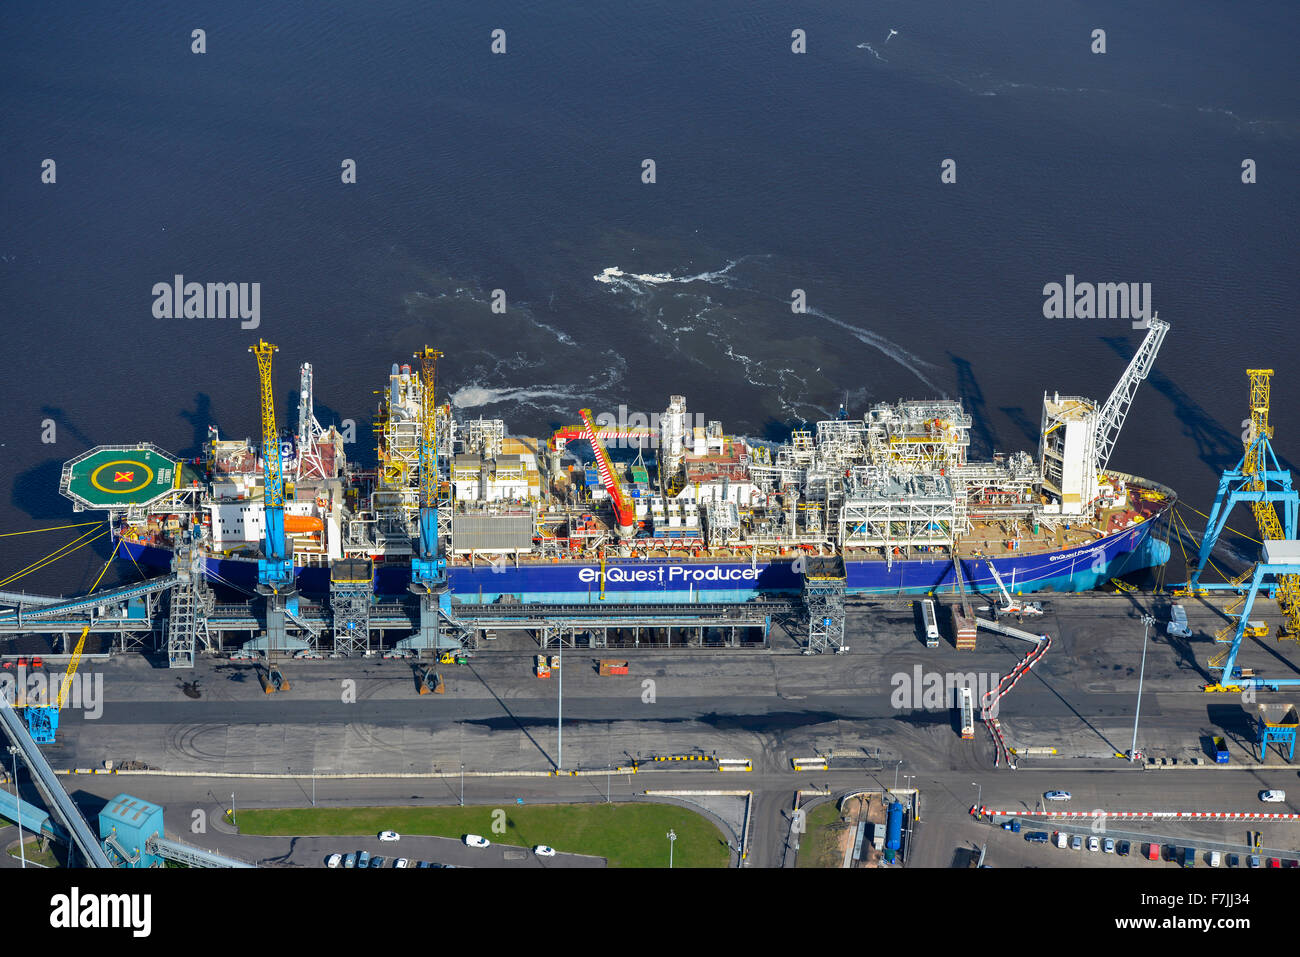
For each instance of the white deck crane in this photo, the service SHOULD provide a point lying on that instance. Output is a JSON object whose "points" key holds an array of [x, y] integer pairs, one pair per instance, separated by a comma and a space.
{"points": [[1078, 435], [1111, 417]]}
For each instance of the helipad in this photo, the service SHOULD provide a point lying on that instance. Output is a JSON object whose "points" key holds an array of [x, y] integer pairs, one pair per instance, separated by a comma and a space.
{"points": [[117, 476]]}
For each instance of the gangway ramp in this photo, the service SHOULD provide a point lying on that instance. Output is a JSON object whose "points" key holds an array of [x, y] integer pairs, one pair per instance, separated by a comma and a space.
{"points": [[110, 596], [190, 856]]}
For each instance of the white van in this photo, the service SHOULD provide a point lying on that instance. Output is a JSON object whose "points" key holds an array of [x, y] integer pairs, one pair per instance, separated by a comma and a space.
{"points": [[1215, 858], [1062, 839], [1177, 626]]}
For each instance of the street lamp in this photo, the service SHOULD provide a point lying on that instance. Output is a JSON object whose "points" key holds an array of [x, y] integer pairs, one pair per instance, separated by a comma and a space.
{"points": [[18, 802], [672, 839], [979, 799], [896, 767], [233, 818], [462, 784], [313, 787], [1147, 621]]}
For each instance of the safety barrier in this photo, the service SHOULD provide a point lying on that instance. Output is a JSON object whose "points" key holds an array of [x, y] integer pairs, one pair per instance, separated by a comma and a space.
{"points": [[1148, 815], [735, 764]]}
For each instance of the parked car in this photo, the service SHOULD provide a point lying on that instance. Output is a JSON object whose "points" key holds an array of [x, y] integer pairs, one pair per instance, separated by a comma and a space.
{"points": [[1122, 848], [1036, 837], [1254, 860], [542, 850], [1076, 843], [350, 860], [334, 860], [378, 861], [1272, 797], [476, 840], [1215, 858], [1234, 860], [401, 862], [389, 836], [363, 859], [1109, 845], [1057, 796], [1094, 844], [1274, 862]]}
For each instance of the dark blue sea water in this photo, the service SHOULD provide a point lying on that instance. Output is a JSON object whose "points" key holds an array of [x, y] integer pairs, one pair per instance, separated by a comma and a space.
{"points": [[522, 172]]}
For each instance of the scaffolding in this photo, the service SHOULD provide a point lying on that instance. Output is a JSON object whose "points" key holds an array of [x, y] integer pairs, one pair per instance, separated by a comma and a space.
{"points": [[824, 579], [351, 593], [190, 604]]}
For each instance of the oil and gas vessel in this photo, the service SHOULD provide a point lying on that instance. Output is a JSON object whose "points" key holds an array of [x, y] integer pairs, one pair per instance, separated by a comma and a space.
{"points": [[688, 512]]}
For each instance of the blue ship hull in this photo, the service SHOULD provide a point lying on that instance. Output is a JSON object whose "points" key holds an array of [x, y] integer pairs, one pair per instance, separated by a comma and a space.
{"points": [[665, 580]]}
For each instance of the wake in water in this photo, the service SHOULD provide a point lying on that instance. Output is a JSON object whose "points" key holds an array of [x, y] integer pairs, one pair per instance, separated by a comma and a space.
{"points": [[636, 283], [872, 50]]}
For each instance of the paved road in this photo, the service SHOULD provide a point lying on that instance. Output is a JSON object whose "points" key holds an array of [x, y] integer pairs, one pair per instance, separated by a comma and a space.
{"points": [[769, 706]]}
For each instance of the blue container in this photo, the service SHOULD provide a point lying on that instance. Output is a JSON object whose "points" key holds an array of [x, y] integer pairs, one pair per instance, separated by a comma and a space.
{"points": [[894, 827]]}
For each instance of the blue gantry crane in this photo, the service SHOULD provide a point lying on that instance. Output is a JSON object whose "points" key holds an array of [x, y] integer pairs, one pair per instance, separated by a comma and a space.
{"points": [[428, 568], [43, 720], [275, 568], [1260, 481]]}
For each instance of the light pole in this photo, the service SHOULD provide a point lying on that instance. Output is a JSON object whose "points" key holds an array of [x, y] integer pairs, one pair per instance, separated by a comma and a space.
{"points": [[672, 839], [233, 817], [559, 714], [18, 802], [979, 798], [1147, 622], [896, 767], [462, 784], [313, 787]]}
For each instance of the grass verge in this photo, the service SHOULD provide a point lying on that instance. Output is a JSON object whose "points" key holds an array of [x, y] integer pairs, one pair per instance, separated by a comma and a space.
{"points": [[627, 835]]}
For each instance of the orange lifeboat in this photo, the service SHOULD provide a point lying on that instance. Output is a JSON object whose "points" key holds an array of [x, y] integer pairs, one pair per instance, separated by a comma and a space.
{"points": [[298, 524]]}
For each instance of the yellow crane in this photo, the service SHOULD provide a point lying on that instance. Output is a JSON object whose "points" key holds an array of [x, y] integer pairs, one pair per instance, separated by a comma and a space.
{"points": [[43, 722], [1270, 528]]}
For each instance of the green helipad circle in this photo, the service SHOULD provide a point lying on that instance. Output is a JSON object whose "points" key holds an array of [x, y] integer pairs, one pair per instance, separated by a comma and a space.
{"points": [[108, 477]]}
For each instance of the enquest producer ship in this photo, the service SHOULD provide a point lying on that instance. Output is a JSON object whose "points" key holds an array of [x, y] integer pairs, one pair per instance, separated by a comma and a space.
{"points": [[696, 514]]}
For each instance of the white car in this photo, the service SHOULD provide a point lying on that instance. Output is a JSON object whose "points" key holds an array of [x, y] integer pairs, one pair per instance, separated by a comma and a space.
{"points": [[1057, 796], [334, 860], [389, 836], [1272, 797], [401, 862], [542, 850], [476, 840], [1094, 844]]}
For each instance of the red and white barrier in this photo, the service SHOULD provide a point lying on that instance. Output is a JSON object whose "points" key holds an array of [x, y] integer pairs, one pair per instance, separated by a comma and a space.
{"points": [[1146, 815]]}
